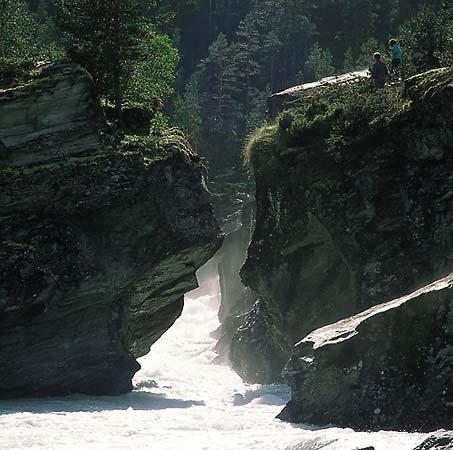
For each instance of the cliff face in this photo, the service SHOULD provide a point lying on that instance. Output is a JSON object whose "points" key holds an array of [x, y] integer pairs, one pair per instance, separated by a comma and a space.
{"points": [[96, 250], [338, 232], [386, 368], [54, 114], [236, 298]]}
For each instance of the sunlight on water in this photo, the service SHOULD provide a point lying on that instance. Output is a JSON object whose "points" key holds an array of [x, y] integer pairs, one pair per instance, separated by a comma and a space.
{"points": [[181, 401]]}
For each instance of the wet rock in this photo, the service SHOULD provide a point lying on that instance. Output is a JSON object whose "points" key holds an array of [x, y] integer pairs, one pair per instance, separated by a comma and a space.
{"points": [[235, 205], [439, 441], [259, 332], [388, 367], [230, 259]]}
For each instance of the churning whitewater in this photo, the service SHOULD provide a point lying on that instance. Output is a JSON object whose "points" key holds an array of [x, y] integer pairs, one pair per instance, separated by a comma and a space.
{"points": [[182, 400]]}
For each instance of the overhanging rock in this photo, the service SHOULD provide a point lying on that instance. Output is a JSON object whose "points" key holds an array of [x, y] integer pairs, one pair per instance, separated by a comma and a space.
{"points": [[386, 368], [293, 96]]}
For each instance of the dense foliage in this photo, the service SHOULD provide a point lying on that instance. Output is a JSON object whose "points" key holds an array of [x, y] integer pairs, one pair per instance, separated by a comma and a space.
{"points": [[228, 89], [25, 37], [234, 53], [330, 121], [118, 41], [119, 44], [258, 47], [428, 38]]}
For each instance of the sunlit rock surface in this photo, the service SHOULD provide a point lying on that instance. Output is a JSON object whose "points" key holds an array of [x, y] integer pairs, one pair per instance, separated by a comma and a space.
{"points": [[292, 97], [96, 253], [54, 114], [338, 233], [236, 298], [439, 441], [386, 368]]}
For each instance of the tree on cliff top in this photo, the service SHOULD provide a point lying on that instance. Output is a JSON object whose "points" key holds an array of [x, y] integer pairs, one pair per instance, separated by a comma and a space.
{"points": [[119, 45], [427, 38], [25, 35], [319, 64], [16, 29]]}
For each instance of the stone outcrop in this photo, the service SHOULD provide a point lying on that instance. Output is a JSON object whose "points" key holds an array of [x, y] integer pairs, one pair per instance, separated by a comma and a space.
{"points": [[337, 233], [295, 96], [388, 367], [96, 251], [439, 441], [55, 114]]}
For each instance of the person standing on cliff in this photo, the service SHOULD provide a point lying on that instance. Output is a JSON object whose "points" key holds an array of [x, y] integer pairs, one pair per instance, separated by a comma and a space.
{"points": [[397, 56], [379, 71]]}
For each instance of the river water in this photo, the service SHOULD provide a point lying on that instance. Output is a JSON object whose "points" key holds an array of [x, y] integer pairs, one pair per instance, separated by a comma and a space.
{"points": [[182, 401]]}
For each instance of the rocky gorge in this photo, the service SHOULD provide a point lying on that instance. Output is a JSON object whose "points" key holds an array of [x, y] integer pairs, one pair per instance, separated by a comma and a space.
{"points": [[341, 231], [346, 288], [99, 240]]}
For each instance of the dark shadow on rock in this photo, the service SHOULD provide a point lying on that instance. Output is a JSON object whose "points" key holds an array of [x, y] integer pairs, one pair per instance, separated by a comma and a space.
{"points": [[141, 401]]}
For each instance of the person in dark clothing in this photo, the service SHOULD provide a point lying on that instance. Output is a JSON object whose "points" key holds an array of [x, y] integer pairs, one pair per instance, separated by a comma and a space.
{"points": [[379, 71]]}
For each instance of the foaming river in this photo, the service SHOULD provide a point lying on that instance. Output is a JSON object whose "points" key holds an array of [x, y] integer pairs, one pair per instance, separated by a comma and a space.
{"points": [[182, 401]]}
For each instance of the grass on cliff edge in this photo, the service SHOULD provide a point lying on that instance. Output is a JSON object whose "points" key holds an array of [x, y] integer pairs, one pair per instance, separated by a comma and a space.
{"points": [[171, 142], [158, 147], [329, 121]]}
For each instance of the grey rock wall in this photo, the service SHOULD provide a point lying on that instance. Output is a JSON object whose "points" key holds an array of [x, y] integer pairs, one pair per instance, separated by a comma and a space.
{"points": [[96, 252], [53, 115]]}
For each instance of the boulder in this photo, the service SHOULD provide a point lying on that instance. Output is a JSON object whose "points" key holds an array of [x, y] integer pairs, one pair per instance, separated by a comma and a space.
{"points": [[439, 441], [388, 367]]}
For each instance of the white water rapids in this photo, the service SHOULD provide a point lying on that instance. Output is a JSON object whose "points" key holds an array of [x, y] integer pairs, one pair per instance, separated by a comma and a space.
{"points": [[181, 401]]}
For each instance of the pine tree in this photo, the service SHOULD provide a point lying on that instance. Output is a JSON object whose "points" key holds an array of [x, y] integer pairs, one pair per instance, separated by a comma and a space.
{"points": [[220, 109], [18, 30], [349, 64], [116, 41], [319, 64], [427, 38], [247, 59], [186, 115]]}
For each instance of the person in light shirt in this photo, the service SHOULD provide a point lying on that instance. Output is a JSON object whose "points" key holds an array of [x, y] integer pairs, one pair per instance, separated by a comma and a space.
{"points": [[397, 56]]}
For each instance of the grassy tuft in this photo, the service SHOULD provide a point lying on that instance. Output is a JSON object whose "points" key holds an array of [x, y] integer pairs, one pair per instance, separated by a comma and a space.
{"points": [[156, 147], [332, 120], [261, 148]]}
